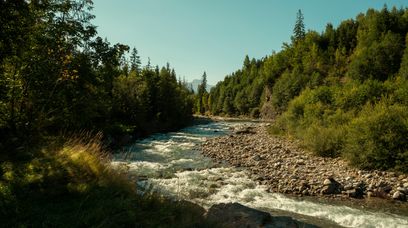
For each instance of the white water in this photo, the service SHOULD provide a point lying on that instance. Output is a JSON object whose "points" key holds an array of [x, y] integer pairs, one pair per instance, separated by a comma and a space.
{"points": [[174, 166]]}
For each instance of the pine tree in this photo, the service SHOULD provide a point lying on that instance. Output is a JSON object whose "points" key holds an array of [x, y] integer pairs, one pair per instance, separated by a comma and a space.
{"points": [[203, 86], [201, 93], [299, 29], [135, 62]]}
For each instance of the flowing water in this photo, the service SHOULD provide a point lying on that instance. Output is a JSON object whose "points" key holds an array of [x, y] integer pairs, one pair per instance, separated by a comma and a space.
{"points": [[173, 165]]}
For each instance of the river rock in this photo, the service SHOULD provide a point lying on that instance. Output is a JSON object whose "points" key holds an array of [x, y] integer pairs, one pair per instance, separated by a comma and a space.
{"points": [[355, 193], [403, 190], [370, 194], [235, 215], [256, 158], [399, 196], [285, 167], [245, 130], [331, 186]]}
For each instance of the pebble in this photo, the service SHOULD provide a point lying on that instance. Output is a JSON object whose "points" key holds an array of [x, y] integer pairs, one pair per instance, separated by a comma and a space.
{"points": [[290, 169]]}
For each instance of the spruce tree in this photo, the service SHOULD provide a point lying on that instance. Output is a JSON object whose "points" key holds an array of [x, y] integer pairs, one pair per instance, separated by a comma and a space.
{"points": [[299, 29], [135, 62], [202, 91]]}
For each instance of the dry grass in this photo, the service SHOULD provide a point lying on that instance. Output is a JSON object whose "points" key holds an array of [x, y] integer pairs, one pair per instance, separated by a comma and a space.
{"points": [[74, 185]]}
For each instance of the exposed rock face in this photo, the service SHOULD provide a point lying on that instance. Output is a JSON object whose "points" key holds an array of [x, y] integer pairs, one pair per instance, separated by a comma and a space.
{"points": [[284, 167], [235, 215]]}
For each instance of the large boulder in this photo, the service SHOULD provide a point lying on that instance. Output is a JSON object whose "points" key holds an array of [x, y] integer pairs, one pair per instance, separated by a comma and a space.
{"points": [[331, 186], [237, 215]]}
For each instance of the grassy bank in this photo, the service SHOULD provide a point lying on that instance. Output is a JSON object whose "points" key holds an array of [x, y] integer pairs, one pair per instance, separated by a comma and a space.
{"points": [[71, 184], [365, 123]]}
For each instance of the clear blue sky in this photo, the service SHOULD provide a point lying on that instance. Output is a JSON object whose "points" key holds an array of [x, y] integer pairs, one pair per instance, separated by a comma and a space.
{"points": [[215, 35]]}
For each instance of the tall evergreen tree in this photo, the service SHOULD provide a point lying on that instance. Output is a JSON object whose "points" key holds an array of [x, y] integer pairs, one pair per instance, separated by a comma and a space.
{"points": [[299, 29], [203, 86], [135, 62], [201, 94]]}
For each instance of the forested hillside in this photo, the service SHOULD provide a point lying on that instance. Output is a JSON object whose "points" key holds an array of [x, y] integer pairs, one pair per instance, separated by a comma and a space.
{"points": [[57, 75], [343, 92], [63, 90]]}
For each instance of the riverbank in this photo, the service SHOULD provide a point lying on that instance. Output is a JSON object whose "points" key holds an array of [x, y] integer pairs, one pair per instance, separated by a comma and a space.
{"points": [[286, 168], [74, 185]]}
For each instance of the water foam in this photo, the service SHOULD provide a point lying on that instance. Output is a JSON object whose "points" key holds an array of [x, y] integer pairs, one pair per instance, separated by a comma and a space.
{"points": [[174, 168]]}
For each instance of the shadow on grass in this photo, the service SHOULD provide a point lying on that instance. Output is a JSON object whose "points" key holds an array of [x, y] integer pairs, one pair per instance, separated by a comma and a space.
{"points": [[73, 185]]}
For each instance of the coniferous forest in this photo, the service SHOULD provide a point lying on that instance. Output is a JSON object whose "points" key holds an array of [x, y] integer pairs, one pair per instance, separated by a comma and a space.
{"points": [[69, 98], [342, 92], [64, 91], [58, 76]]}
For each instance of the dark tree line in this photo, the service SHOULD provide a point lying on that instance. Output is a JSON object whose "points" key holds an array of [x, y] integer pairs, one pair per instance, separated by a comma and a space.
{"points": [[57, 75]]}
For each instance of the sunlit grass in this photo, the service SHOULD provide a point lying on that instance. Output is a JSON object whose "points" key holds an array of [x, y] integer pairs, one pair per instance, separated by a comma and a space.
{"points": [[73, 185]]}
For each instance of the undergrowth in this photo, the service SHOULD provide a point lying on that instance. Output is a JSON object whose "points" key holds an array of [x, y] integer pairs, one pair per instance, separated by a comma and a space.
{"points": [[73, 185], [364, 122]]}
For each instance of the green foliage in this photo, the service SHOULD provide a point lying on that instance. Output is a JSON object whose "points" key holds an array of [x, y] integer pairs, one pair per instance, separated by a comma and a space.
{"points": [[324, 141], [57, 76], [240, 92], [355, 120], [299, 29], [74, 185], [354, 95], [376, 139], [255, 113], [403, 71], [379, 60], [201, 104], [287, 87], [319, 88]]}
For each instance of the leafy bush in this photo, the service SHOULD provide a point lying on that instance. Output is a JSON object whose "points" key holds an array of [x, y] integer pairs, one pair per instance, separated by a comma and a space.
{"points": [[324, 141], [311, 106], [255, 113], [288, 86], [378, 59], [401, 90], [355, 95], [377, 138]]}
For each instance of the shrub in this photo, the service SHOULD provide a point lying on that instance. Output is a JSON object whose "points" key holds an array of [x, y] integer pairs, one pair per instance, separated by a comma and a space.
{"points": [[377, 138], [401, 90], [354, 95], [255, 113], [324, 141], [276, 129], [311, 106], [288, 86]]}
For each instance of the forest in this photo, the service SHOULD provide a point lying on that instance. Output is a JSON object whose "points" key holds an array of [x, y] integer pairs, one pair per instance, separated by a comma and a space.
{"points": [[57, 76], [69, 98], [67, 94], [342, 92]]}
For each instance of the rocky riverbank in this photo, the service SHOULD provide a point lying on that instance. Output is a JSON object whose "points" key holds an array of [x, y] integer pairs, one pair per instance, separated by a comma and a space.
{"points": [[286, 168]]}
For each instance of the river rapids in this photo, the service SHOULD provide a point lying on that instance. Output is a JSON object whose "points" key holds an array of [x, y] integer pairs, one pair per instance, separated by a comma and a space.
{"points": [[173, 165]]}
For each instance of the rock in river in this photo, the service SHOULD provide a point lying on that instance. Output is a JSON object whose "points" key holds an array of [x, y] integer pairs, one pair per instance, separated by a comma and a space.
{"points": [[236, 215]]}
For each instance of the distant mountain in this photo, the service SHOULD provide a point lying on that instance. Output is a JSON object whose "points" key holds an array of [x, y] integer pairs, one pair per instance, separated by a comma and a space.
{"points": [[195, 83]]}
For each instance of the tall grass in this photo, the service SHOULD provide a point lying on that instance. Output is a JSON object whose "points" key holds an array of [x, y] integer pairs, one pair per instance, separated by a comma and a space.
{"points": [[73, 185]]}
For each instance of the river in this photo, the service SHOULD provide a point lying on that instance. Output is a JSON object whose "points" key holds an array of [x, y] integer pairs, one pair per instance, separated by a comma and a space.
{"points": [[173, 165]]}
